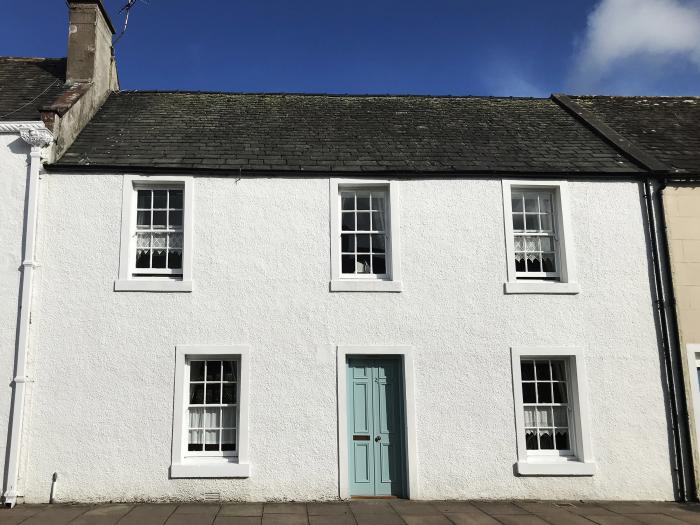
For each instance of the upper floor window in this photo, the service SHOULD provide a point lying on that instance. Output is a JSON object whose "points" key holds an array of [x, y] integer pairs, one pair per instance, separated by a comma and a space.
{"points": [[539, 244], [156, 242], [365, 232], [159, 231]]}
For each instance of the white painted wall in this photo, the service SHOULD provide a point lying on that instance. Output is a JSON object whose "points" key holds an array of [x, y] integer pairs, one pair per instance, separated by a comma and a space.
{"points": [[100, 410], [14, 157]]}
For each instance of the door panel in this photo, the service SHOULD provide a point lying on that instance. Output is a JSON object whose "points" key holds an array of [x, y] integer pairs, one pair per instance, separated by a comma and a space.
{"points": [[375, 414]]}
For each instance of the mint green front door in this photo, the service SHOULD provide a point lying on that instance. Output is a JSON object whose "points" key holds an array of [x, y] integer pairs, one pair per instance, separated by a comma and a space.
{"points": [[375, 427]]}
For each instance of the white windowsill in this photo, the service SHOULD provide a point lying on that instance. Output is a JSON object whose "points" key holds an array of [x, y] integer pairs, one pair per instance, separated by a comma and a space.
{"points": [[542, 287], [361, 285], [543, 467], [151, 285], [210, 470]]}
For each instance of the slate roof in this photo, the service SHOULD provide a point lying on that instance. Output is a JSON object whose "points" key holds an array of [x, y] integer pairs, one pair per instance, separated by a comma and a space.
{"points": [[666, 127], [26, 84], [287, 133]]}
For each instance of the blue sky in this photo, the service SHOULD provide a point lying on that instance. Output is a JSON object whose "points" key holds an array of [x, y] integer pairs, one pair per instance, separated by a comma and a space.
{"points": [[459, 47]]}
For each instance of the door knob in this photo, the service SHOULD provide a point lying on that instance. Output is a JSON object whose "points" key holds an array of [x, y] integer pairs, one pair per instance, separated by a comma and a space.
{"points": [[378, 439]]}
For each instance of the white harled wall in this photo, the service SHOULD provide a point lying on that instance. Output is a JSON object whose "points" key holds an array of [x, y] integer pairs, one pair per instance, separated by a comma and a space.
{"points": [[101, 406]]}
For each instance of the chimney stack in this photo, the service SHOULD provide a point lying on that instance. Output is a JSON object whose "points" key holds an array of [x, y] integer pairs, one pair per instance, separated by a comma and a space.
{"points": [[90, 55], [91, 74]]}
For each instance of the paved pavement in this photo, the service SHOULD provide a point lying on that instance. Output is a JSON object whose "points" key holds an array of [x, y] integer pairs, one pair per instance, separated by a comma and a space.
{"points": [[377, 512]]}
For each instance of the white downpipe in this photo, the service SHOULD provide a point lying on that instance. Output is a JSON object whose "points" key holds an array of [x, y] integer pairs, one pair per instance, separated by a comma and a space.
{"points": [[37, 139]]}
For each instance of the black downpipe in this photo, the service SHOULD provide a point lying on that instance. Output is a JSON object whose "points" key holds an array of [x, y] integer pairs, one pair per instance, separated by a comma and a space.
{"points": [[662, 311]]}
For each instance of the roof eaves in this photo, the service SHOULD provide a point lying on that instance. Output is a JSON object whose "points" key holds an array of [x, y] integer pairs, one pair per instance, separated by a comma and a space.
{"points": [[627, 147]]}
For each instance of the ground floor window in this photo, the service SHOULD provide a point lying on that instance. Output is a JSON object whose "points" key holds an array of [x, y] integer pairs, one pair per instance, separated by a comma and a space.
{"points": [[551, 412]]}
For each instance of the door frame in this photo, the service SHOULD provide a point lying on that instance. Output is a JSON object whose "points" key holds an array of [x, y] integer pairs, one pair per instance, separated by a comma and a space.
{"points": [[411, 456]]}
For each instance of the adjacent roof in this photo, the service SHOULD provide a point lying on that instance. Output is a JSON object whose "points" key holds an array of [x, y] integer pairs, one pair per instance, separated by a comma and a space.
{"points": [[666, 127], [26, 84], [329, 133]]}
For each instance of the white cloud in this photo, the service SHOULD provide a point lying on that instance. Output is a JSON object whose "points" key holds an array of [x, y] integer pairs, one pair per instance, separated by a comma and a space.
{"points": [[655, 32]]}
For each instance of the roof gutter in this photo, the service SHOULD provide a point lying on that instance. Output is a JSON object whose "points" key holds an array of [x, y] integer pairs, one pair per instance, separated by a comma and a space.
{"points": [[38, 137]]}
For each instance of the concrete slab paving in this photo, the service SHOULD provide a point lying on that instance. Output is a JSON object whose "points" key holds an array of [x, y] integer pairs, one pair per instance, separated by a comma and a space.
{"points": [[359, 512]]}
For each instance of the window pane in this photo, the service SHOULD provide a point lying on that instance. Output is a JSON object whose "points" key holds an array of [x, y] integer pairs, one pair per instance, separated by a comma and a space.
{"points": [[143, 219], [214, 393], [544, 392], [211, 418], [542, 370], [348, 263], [527, 370], [159, 240], [546, 244], [531, 222], [143, 240], [228, 440], [175, 218], [379, 202], [195, 440], [196, 394], [560, 417], [158, 259], [378, 221], [196, 370], [516, 202], [379, 264], [531, 203], [160, 198], [531, 439], [378, 243], [213, 370], [176, 199], [144, 199], [562, 439], [530, 419], [519, 264], [548, 264], [546, 222], [363, 263], [229, 394], [363, 243], [175, 260], [211, 440], [363, 202], [560, 393], [518, 223], [143, 258], [174, 240], [160, 219], [347, 200], [533, 265], [544, 417], [347, 242], [546, 440], [196, 417], [363, 221], [558, 371], [230, 371], [228, 417], [348, 221], [529, 393]]}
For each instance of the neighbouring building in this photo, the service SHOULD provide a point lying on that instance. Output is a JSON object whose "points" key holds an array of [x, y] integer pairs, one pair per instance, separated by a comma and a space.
{"points": [[312, 297], [668, 130], [44, 102]]}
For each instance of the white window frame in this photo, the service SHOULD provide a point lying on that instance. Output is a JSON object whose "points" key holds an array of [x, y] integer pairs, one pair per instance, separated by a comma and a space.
{"points": [[127, 282], [566, 284], [580, 460], [186, 464], [366, 283]]}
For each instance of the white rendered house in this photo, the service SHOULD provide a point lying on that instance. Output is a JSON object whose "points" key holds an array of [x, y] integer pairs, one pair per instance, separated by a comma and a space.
{"points": [[297, 297]]}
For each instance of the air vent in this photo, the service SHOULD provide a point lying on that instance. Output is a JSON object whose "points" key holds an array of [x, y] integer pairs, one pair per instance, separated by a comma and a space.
{"points": [[212, 497]]}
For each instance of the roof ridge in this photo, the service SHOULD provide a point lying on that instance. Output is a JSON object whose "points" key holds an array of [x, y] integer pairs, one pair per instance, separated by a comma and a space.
{"points": [[32, 59], [319, 94]]}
